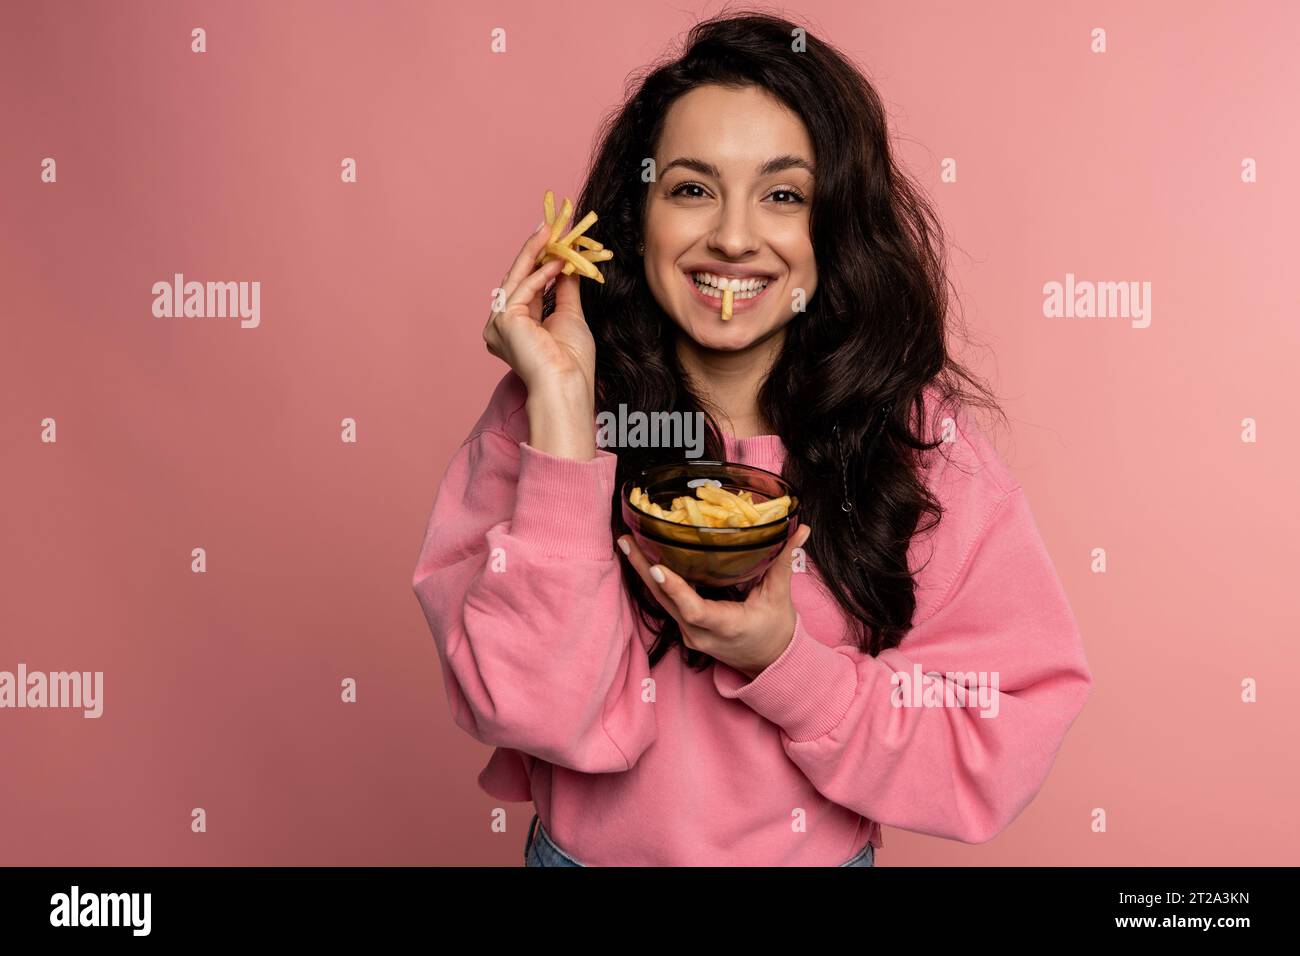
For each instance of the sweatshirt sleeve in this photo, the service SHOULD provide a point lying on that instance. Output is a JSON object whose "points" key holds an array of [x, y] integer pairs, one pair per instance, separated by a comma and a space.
{"points": [[961, 772], [518, 581]]}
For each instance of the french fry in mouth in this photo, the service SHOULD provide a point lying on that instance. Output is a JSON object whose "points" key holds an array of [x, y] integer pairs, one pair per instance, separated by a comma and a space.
{"points": [[582, 259], [727, 298]]}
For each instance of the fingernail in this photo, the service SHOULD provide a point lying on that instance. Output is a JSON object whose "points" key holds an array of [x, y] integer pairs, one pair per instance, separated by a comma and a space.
{"points": [[624, 546], [538, 228], [657, 573]]}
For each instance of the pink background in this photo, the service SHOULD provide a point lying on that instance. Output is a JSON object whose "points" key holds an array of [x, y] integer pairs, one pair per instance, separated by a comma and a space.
{"points": [[222, 689]]}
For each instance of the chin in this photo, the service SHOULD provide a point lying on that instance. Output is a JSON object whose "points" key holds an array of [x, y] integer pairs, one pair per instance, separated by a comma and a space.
{"points": [[724, 337]]}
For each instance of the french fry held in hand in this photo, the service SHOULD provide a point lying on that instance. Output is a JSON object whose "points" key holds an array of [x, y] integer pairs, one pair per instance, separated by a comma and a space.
{"points": [[581, 260], [715, 508]]}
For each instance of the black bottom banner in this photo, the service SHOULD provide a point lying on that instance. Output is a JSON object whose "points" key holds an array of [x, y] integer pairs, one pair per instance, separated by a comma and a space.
{"points": [[94, 906]]}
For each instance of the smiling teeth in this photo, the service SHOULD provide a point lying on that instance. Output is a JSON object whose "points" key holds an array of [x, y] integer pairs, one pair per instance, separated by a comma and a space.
{"points": [[712, 285], [737, 285]]}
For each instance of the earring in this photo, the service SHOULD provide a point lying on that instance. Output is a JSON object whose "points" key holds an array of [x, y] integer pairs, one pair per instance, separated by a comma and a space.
{"points": [[640, 248]]}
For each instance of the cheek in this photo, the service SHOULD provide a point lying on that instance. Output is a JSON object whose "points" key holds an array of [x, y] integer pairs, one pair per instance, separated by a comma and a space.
{"points": [[802, 265], [805, 272], [802, 260], [668, 292], [794, 246], [663, 281]]}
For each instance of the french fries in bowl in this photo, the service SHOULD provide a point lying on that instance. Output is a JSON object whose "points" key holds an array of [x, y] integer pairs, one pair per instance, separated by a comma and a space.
{"points": [[714, 523]]}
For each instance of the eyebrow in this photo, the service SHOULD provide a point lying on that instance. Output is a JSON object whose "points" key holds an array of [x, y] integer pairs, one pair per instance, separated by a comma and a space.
{"points": [[775, 165]]}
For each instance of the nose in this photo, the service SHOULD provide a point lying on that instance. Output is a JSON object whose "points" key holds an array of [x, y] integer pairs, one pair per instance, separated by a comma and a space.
{"points": [[734, 237]]}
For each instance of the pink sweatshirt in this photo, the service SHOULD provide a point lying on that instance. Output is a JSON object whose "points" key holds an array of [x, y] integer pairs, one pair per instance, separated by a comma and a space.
{"points": [[544, 659]]}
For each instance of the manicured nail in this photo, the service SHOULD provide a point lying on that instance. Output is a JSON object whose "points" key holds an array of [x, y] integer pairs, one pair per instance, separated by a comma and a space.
{"points": [[657, 573], [624, 546]]}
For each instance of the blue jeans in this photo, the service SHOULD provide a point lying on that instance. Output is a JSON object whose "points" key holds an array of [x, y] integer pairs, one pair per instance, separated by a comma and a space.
{"points": [[540, 850]]}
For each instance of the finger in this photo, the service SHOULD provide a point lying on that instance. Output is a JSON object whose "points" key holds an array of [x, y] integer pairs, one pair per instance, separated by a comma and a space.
{"points": [[567, 295], [523, 263], [526, 291], [776, 582], [534, 284], [700, 616], [694, 610], [642, 567], [512, 276]]}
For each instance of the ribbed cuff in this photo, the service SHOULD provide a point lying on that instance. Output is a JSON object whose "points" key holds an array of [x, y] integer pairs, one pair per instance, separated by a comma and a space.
{"points": [[563, 505], [806, 691]]}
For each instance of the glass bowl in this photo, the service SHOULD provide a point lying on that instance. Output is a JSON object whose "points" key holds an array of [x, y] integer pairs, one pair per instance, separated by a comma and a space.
{"points": [[712, 557]]}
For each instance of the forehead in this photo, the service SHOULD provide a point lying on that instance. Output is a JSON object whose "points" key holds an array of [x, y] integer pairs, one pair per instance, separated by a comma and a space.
{"points": [[735, 129]]}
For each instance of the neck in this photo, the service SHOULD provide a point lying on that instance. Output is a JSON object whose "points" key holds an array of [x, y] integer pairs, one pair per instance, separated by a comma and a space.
{"points": [[728, 382]]}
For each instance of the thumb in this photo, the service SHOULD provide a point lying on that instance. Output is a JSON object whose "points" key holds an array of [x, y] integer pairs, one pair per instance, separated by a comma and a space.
{"points": [[776, 582], [567, 296]]}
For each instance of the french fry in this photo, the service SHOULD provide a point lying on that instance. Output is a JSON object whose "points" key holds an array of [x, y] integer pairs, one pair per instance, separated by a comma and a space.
{"points": [[715, 511], [727, 298], [714, 508], [774, 509], [557, 226], [583, 225], [694, 513], [717, 496], [575, 260], [591, 255], [565, 245], [728, 500]]}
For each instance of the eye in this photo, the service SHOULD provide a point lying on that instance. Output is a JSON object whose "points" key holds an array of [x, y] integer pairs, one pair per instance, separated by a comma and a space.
{"points": [[678, 190], [796, 196]]}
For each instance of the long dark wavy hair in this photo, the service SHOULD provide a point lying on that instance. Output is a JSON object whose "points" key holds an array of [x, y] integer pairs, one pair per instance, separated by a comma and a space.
{"points": [[845, 394]]}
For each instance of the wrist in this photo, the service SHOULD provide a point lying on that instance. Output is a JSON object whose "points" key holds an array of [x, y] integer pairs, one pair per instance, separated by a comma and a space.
{"points": [[562, 422], [775, 650]]}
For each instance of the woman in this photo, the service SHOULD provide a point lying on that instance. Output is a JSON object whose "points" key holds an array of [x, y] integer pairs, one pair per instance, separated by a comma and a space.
{"points": [[649, 723]]}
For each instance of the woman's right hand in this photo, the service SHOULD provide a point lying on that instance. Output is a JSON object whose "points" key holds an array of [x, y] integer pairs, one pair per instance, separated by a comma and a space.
{"points": [[559, 353], [555, 359]]}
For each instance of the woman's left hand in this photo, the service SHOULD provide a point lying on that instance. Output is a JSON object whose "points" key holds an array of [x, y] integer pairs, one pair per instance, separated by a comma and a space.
{"points": [[746, 635]]}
